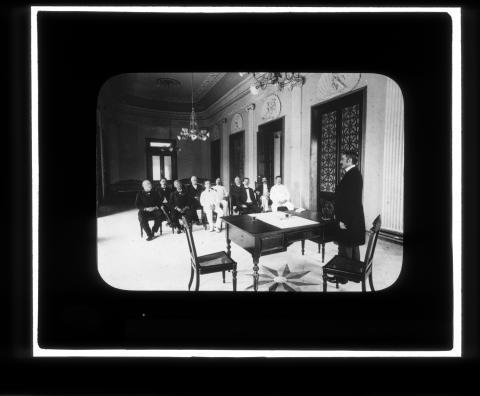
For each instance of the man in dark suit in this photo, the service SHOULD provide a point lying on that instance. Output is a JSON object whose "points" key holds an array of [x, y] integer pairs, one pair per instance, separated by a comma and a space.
{"points": [[181, 204], [262, 190], [195, 190], [148, 204], [349, 209], [164, 192], [248, 202], [235, 192]]}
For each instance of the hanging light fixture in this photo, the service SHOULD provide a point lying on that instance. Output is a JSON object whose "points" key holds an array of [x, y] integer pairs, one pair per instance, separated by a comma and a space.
{"points": [[193, 132], [278, 80]]}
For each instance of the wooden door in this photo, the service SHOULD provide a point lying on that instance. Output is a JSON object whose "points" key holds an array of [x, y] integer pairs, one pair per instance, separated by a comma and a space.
{"points": [[215, 160]]}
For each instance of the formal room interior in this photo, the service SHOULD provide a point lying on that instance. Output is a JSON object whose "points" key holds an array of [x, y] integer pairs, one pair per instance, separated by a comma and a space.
{"points": [[237, 181]]}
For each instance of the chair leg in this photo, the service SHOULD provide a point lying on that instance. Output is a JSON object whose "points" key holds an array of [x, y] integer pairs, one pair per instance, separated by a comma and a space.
{"points": [[160, 228], [197, 284], [370, 281], [234, 278], [363, 285], [303, 247], [323, 252], [336, 284], [319, 248], [324, 283], [192, 272], [223, 276], [141, 231]]}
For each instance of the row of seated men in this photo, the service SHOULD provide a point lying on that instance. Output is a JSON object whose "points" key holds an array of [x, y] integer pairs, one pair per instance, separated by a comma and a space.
{"points": [[194, 200]]}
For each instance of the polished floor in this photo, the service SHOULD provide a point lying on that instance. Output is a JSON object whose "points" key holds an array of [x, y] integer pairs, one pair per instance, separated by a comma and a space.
{"points": [[127, 261]]}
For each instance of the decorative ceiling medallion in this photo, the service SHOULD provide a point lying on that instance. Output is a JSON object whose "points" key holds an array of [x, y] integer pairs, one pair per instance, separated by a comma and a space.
{"points": [[165, 82], [237, 123], [331, 84], [271, 107]]}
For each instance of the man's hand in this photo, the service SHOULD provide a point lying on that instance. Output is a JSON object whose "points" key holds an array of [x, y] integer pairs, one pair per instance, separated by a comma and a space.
{"points": [[148, 209], [178, 209], [342, 225]]}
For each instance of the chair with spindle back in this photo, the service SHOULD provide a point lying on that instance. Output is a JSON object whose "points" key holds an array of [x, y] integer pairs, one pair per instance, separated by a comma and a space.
{"points": [[355, 270]]}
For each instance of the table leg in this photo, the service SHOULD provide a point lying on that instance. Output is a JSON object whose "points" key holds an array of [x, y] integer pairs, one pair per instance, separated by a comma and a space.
{"points": [[303, 247], [227, 236], [255, 273], [323, 252]]}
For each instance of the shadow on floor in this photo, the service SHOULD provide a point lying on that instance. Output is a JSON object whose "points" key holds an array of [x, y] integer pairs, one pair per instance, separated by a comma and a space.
{"points": [[107, 210]]}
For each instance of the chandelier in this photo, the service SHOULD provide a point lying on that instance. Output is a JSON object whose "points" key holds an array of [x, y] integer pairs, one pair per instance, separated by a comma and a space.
{"points": [[278, 80], [193, 132]]}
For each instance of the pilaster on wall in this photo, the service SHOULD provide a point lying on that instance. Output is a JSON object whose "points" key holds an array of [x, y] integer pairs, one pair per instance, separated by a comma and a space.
{"points": [[250, 144], [224, 153], [393, 160], [293, 144]]}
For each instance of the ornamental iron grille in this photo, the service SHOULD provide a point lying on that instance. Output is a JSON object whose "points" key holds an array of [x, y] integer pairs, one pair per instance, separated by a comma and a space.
{"points": [[328, 152], [339, 127]]}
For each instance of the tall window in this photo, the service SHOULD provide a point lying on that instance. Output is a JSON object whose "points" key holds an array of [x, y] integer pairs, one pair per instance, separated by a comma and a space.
{"points": [[337, 126], [161, 159]]}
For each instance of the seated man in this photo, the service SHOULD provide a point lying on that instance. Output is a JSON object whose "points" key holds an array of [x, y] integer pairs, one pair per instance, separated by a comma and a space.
{"points": [[236, 192], [210, 204], [280, 196], [164, 191], [262, 189], [181, 204], [222, 195], [148, 204], [195, 190], [248, 204]]}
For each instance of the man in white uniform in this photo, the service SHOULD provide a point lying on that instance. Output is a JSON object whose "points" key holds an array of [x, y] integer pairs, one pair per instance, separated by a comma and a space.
{"points": [[209, 201], [221, 194], [280, 196]]}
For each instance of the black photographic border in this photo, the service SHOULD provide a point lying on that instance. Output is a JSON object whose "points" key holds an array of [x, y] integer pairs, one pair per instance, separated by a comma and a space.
{"points": [[64, 314]]}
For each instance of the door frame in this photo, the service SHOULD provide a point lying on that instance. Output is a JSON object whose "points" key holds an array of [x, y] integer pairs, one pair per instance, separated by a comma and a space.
{"points": [[271, 127], [149, 151]]}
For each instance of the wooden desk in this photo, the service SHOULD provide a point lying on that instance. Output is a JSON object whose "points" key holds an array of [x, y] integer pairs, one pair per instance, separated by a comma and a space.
{"points": [[260, 238]]}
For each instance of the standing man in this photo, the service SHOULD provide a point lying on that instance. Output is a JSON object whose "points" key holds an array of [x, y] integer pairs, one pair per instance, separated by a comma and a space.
{"points": [[210, 204], [148, 204], [195, 190], [349, 209], [248, 204], [222, 194], [280, 196], [262, 189]]}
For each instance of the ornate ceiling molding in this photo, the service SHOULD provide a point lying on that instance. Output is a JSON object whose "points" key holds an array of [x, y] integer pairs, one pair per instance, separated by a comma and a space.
{"points": [[333, 84], [207, 84]]}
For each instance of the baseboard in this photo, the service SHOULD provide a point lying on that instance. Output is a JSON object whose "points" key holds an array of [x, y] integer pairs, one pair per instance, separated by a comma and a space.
{"points": [[391, 236]]}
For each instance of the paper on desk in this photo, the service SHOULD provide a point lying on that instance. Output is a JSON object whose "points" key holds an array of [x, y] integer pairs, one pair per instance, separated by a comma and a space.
{"points": [[279, 219]]}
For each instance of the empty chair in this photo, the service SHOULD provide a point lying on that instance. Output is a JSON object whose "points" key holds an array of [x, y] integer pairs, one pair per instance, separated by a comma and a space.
{"points": [[208, 263], [353, 270]]}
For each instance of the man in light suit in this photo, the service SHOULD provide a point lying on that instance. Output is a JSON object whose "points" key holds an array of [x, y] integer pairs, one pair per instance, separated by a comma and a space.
{"points": [[210, 204], [349, 209], [262, 189], [280, 196]]}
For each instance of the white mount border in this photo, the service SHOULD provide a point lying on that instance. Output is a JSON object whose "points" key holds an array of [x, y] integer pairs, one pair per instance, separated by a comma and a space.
{"points": [[456, 351]]}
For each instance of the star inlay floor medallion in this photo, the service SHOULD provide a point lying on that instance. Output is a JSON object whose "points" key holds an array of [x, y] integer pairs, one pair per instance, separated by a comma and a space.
{"points": [[289, 280]]}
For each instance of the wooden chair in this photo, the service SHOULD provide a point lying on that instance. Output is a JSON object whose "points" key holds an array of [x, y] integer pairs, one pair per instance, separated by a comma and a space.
{"points": [[353, 270], [209, 263], [168, 219]]}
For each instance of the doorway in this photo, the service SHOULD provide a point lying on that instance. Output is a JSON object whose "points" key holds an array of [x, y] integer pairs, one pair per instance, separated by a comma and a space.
{"points": [[270, 149], [337, 125], [237, 155], [161, 159]]}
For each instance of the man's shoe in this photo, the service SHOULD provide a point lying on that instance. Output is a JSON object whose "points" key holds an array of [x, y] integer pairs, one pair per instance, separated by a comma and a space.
{"points": [[150, 238], [178, 231], [342, 281]]}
